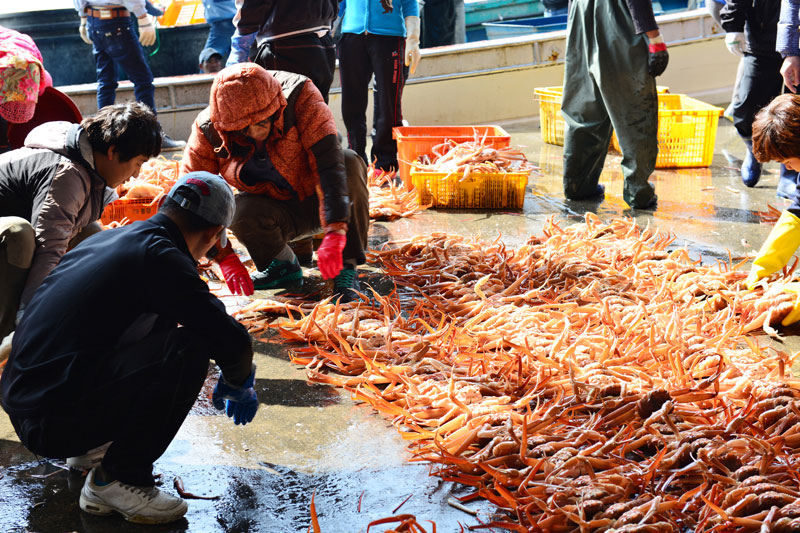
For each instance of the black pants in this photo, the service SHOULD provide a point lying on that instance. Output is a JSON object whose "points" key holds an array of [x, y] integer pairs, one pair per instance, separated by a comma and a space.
{"points": [[265, 225], [144, 392], [361, 56], [438, 23], [306, 54], [761, 82]]}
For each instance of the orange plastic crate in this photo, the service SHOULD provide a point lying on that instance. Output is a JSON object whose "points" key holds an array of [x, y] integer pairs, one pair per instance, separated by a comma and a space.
{"points": [[414, 141], [133, 210]]}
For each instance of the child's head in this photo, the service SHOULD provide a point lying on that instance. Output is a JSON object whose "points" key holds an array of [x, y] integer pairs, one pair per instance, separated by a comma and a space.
{"points": [[776, 131]]}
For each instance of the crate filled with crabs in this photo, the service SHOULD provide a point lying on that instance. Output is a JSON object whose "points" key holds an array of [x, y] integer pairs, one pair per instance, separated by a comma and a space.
{"points": [[139, 197]]}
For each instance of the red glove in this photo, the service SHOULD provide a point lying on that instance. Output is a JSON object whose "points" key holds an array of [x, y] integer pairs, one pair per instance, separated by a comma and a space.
{"points": [[236, 275], [329, 254]]}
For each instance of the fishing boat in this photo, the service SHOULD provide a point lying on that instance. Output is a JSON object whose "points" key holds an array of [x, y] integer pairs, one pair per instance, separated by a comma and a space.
{"points": [[476, 82]]}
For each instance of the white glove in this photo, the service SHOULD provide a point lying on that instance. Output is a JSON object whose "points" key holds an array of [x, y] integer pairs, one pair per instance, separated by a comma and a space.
{"points": [[147, 31], [412, 43], [5, 347], [735, 43], [84, 33]]}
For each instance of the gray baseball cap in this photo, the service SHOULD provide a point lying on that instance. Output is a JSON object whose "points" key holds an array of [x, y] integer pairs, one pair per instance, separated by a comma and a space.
{"points": [[208, 196]]}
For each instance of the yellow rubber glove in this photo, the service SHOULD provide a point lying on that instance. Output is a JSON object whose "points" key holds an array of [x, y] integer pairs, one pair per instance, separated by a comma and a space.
{"points": [[794, 314], [776, 251]]}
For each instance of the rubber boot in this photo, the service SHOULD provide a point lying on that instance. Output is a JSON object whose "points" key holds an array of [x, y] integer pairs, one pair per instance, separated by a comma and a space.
{"points": [[751, 169], [787, 183]]}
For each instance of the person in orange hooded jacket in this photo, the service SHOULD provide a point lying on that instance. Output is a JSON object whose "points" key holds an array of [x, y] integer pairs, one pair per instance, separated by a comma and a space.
{"points": [[272, 137]]}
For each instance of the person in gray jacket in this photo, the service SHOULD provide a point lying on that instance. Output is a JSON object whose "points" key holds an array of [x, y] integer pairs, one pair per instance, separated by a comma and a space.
{"points": [[53, 191]]}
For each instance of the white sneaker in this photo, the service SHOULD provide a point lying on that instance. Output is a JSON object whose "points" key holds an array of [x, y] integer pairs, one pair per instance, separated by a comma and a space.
{"points": [[90, 459], [143, 505]]}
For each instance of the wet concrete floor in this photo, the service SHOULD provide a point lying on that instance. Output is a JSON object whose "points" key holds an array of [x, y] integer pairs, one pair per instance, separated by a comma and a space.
{"points": [[310, 438]]}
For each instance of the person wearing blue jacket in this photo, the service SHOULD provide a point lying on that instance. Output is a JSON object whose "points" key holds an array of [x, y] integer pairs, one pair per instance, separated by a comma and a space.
{"points": [[787, 43], [219, 15], [382, 40]]}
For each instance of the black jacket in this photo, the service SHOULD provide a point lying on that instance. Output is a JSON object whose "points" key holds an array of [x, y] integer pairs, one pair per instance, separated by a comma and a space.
{"points": [[114, 281], [758, 19], [271, 18]]}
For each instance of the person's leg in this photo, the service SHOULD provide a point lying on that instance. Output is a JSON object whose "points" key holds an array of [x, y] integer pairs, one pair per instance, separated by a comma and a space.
{"points": [[629, 92], [219, 37], [84, 234], [264, 225], [355, 72], [304, 54], [101, 33], [17, 245], [761, 82], [387, 57], [440, 23], [140, 396], [358, 224], [122, 45], [587, 129]]}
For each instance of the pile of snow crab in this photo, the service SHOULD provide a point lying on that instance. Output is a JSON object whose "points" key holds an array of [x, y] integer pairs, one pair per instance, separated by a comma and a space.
{"points": [[464, 158], [591, 379], [156, 177], [389, 200]]}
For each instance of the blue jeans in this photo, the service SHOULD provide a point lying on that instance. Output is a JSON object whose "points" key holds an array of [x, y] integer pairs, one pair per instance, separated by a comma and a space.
{"points": [[116, 44], [219, 37]]}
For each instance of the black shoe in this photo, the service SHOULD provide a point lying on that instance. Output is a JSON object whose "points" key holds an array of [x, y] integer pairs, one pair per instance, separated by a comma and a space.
{"points": [[345, 285], [168, 143], [598, 195], [650, 206], [279, 274]]}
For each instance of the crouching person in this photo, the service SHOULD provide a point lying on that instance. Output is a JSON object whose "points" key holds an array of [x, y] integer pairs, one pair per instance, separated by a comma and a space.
{"points": [[272, 137], [107, 381], [53, 191]]}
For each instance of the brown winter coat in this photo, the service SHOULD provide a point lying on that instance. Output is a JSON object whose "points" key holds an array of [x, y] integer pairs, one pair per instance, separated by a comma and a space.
{"points": [[303, 144]]}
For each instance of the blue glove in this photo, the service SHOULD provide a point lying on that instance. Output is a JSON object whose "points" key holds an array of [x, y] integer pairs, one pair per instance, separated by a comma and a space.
{"points": [[240, 404], [240, 48]]}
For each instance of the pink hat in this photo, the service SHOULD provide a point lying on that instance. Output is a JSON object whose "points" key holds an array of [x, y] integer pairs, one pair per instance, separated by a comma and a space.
{"points": [[19, 88], [22, 76]]}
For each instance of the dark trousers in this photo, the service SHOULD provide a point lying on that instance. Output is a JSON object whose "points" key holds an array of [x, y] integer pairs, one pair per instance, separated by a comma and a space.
{"points": [[438, 23], [761, 82], [361, 56], [306, 54], [143, 393], [265, 225], [116, 44]]}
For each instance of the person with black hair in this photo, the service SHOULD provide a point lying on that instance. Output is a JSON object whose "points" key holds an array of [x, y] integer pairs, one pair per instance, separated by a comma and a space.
{"points": [[53, 191], [107, 382]]}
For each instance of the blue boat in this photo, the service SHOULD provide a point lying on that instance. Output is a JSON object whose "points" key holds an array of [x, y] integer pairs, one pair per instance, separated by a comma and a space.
{"points": [[508, 23]]}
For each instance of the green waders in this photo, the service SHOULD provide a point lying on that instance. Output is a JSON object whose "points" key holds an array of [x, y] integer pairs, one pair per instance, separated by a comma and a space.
{"points": [[606, 84], [17, 245]]}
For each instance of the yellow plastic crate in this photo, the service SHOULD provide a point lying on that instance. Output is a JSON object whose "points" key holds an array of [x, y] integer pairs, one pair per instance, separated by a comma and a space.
{"points": [[552, 123], [687, 131], [477, 191]]}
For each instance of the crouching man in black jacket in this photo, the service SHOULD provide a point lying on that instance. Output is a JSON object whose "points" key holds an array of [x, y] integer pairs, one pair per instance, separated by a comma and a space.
{"points": [[107, 382]]}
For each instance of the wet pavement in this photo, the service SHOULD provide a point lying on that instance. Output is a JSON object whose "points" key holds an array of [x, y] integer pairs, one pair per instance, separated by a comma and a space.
{"points": [[310, 439]]}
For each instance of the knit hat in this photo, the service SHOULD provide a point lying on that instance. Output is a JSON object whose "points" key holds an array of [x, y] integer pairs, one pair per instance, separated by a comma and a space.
{"points": [[242, 95], [22, 76], [207, 196]]}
